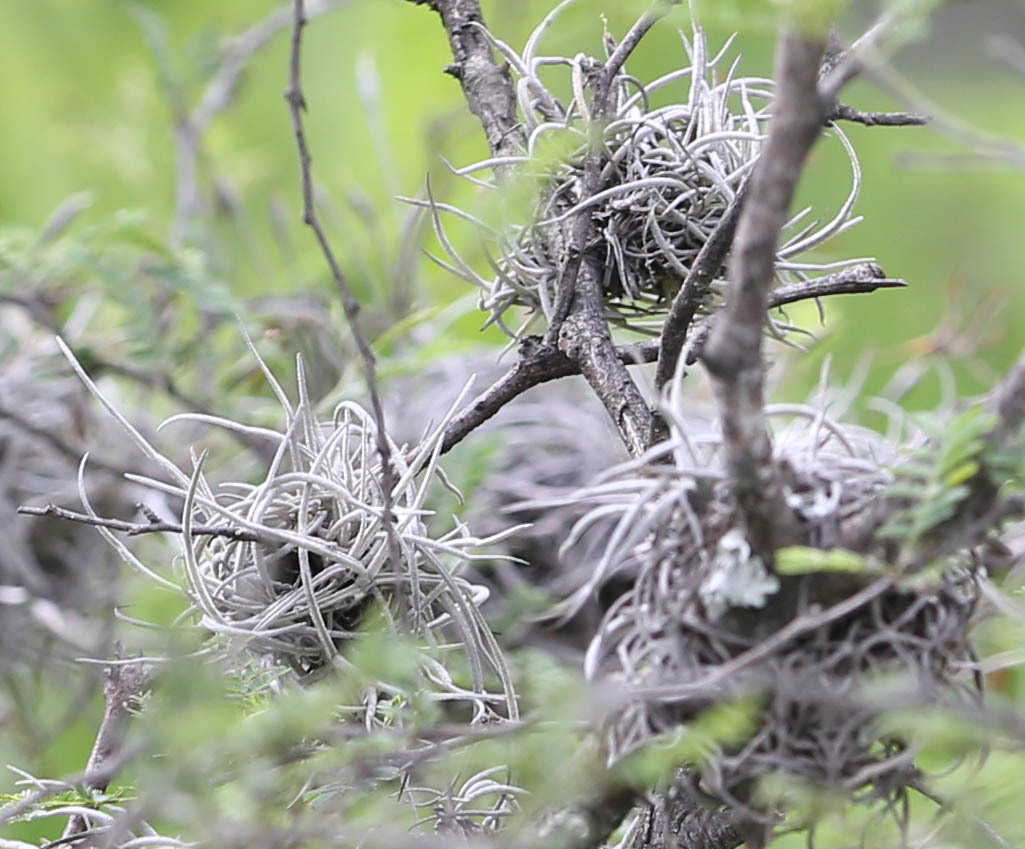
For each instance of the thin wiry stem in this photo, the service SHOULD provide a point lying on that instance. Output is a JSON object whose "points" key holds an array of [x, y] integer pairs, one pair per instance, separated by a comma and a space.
{"points": [[351, 306], [138, 528]]}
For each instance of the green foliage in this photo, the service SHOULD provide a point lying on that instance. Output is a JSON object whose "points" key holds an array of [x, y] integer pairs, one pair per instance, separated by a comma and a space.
{"points": [[804, 560], [933, 482], [92, 97], [85, 796], [719, 727]]}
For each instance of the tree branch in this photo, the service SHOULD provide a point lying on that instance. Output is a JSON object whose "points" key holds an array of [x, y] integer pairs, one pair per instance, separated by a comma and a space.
{"points": [[733, 353], [537, 364], [679, 819], [842, 112], [487, 86], [540, 364], [707, 264], [578, 327]]}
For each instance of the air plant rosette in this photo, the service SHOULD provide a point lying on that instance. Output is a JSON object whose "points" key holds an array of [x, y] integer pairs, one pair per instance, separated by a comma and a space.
{"points": [[669, 175], [823, 645], [287, 567]]}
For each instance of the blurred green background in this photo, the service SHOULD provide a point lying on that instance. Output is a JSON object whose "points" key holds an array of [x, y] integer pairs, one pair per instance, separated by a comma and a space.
{"points": [[91, 90]]}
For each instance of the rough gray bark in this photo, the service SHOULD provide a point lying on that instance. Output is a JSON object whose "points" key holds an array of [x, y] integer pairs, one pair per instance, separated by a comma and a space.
{"points": [[487, 86], [679, 819], [579, 331], [733, 353]]}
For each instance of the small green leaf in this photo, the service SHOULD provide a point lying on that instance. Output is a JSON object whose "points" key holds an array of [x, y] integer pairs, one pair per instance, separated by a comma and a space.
{"points": [[803, 560]]}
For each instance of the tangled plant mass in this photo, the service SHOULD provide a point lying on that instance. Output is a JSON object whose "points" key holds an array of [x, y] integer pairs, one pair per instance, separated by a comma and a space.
{"points": [[819, 636], [670, 174], [291, 564], [844, 642]]}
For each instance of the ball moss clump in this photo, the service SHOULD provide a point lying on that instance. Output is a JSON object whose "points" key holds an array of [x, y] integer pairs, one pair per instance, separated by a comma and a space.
{"points": [[674, 153], [809, 642], [288, 566]]}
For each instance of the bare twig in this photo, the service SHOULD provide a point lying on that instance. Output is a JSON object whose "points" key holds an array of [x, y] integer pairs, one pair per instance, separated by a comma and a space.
{"points": [[853, 280], [733, 353], [842, 112], [351, 306], [137, 528], [842, 66], [645, 22], [122, 686]]}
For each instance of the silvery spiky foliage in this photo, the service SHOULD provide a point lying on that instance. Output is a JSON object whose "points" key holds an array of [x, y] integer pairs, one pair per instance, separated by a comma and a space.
{"points": [[670, 174], [289, 565], [479, 804], [706, 622]]}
